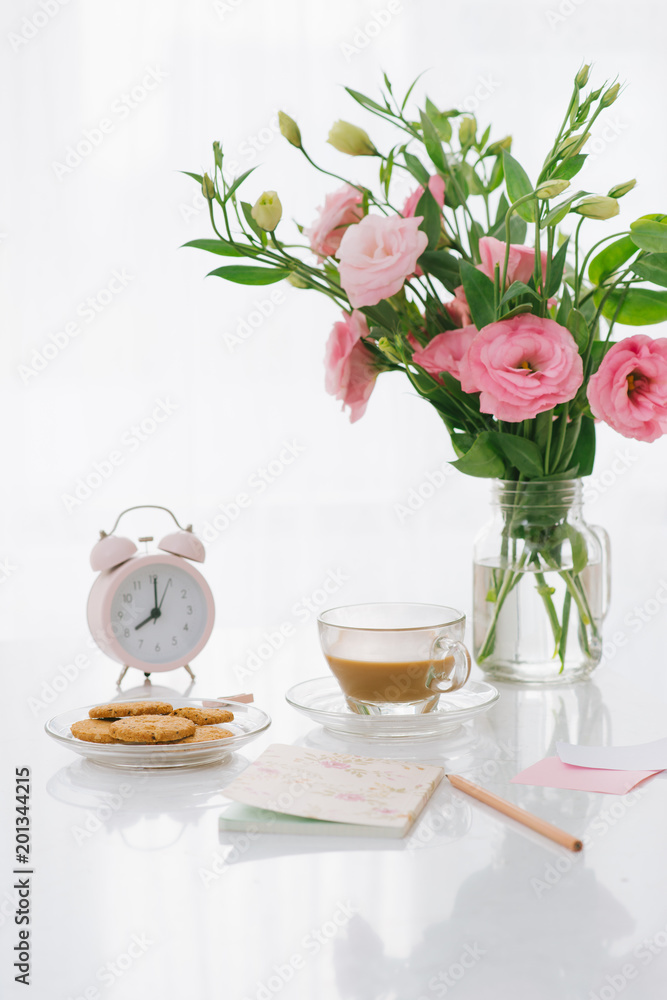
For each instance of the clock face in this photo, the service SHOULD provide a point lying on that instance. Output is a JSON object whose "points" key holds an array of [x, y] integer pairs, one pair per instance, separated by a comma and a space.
{"points": [[158, 613]]}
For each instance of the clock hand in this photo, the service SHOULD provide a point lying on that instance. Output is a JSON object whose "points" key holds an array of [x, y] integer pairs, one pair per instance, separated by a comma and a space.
{"points": [[152, 617], [163, 593]]}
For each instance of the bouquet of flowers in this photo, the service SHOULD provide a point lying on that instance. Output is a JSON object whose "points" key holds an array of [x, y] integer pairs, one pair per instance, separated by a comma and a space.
{"points": [[511, 343]]}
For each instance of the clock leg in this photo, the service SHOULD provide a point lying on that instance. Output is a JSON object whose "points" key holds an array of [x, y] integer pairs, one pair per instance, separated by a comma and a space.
{"points": [[122, 674], [189, 670]]}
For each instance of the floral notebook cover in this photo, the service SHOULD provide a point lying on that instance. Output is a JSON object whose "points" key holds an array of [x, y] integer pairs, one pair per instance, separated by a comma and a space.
{"points": [[337, 787]]}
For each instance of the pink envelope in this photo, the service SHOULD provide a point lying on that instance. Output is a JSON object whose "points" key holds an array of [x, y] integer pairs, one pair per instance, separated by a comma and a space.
{"points": [[553, 773]]}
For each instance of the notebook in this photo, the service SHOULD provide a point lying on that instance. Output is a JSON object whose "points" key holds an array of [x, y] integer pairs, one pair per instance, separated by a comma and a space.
{"points": [[296, 790]]}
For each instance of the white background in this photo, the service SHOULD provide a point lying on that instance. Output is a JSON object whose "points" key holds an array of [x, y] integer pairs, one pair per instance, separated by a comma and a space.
{"points": [[221, 71]]}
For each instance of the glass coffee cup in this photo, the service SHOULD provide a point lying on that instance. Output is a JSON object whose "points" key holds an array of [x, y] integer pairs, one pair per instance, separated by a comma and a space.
{"points": [[394, 659]]}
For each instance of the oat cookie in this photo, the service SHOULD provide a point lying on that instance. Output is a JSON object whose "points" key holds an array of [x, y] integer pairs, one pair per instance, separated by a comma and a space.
{"points": [[93, 731], [203, 733], [121, 709], [151, 729], [205, 716]]}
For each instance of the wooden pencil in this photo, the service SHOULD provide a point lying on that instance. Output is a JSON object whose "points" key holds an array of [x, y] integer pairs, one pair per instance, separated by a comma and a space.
{"points": [[517, 813]]}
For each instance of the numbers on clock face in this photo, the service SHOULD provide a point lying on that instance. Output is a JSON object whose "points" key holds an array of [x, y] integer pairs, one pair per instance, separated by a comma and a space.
{"points": [[158, 613]]}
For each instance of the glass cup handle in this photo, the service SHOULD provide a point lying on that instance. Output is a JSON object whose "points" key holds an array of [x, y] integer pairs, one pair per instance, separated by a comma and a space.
{"points": [[458, 672], [605, 545]]}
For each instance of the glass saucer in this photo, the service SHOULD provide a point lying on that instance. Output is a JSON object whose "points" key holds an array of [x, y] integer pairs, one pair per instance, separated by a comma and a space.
{"points": [[249, 722], [323, 701]]}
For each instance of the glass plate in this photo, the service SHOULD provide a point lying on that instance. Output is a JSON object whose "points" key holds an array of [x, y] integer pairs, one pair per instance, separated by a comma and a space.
{"points": [[249, 722], [322, 700]]}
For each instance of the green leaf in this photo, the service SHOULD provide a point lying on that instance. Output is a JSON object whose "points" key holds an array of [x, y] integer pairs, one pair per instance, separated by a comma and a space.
{"points": [[558, 213], [522, 453], [564, 308], [475, 234], [443, 266], [244, 275], [247, 212], [518, 229], [518, 185], [238, 182], [416, 168], [410, 89], [482, 460], [441, 122], [578, 327], [649, 235], [579, 548], [569, 168], [610, 259], [641, 306], [653, 268], [382, 315], [479, 293], [221, 247], [366, 102], [584, 452], [431, 223], [516, 289], [456, 192], [497, 176], [501, 211], [432, 143], [525, 307], [197, 177], [556, 270]]}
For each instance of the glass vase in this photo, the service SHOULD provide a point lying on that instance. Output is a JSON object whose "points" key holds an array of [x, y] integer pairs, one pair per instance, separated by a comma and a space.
{"points": [[541, 585]]}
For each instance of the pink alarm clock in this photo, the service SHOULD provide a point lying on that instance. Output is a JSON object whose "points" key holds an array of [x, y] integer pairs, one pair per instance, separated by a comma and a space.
{"points": [[151, 611]]}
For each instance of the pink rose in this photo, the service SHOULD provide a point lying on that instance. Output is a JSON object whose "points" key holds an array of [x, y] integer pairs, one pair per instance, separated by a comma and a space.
{"points": [[436, 186], [520, 265], [349, 369], [522, 366], [342, 208], [446, 351], [377, 255], [629, 389], [457, 309]]}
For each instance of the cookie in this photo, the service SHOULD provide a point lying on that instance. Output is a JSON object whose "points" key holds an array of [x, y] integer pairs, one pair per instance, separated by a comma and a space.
{"points": [[203, 733], [204, 716], [121, 709], [151, 729], [93, 731]]}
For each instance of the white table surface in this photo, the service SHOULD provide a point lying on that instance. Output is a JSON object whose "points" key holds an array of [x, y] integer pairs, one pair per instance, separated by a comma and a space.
{"points": [[136, 894]]}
